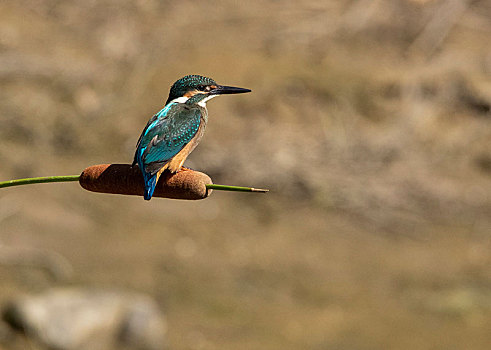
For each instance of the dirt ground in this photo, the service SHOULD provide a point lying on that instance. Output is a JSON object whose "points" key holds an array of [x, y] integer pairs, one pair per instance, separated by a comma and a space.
{"points": [[369, 121]]}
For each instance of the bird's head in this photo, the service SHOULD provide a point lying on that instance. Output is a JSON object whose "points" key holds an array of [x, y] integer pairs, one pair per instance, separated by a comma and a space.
{"points": [[200, 88]]}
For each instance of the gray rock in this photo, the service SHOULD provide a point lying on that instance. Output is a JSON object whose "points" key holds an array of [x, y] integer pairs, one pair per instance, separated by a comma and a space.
{"points": [[80, 319]]}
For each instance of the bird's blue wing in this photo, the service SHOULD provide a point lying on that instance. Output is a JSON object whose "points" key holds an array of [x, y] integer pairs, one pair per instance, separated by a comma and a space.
{"points": [[165, 135]]}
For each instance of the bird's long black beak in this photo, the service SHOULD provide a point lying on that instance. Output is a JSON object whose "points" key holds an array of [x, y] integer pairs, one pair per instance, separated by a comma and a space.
{"points": [[223, 90]]}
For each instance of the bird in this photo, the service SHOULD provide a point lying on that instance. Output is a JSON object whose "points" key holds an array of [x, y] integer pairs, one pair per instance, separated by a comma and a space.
{"points": [[174, 132]]}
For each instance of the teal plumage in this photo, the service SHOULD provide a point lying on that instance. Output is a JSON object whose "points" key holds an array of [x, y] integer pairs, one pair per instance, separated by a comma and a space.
{"points": [[165, 135], [172, 133]]}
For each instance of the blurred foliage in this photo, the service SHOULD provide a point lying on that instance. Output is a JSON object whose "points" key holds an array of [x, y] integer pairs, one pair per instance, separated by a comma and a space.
{"points": [[369, 120]]}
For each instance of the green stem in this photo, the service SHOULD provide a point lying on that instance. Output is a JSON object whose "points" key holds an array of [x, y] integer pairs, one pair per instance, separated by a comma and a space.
{"points": [[235, 188], [39, 180], [68, 178]]}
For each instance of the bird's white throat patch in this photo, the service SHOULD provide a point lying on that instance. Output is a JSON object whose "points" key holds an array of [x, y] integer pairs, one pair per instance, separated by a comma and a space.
{"points": [[202, 103]]}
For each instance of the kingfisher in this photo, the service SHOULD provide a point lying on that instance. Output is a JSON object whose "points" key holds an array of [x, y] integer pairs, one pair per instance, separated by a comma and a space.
{"points": [[174, 132]]}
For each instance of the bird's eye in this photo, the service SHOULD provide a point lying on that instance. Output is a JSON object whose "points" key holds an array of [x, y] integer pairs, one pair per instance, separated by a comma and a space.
{"points": [[205, 88]]}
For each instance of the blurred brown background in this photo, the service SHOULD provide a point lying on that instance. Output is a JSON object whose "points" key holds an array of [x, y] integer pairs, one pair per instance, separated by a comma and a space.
{"points": [[369, 121]]}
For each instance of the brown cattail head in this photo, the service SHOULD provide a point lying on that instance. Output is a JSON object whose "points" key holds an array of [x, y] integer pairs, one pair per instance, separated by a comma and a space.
{"points": [[125, 179]]}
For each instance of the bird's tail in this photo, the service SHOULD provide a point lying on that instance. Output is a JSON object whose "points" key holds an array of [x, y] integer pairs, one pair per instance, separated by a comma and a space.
{"points": [[150, 183]]}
